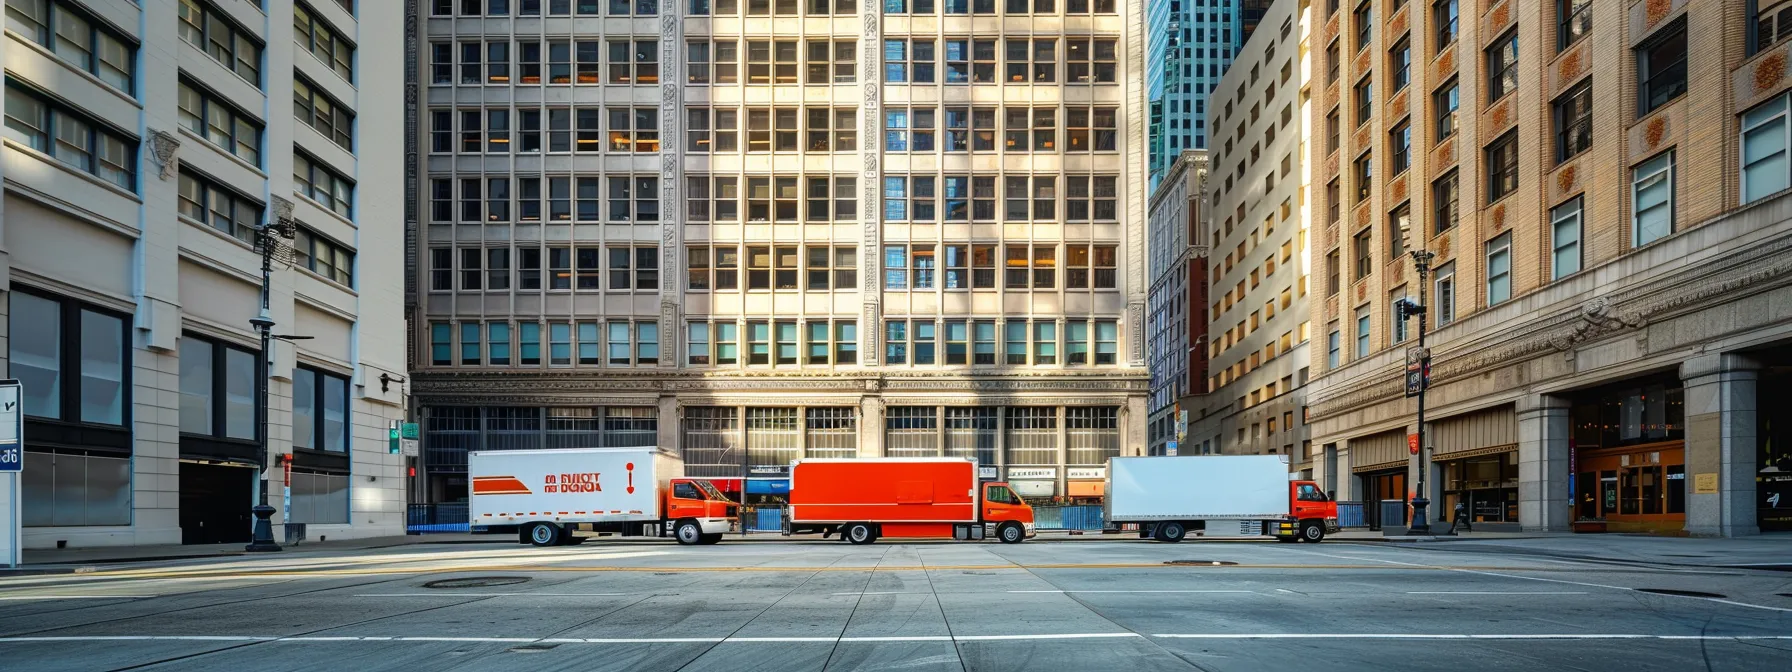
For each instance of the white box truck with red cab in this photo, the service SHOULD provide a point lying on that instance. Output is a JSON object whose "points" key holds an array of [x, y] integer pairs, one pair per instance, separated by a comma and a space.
{"points": [[1216, 496], [546, 495]]}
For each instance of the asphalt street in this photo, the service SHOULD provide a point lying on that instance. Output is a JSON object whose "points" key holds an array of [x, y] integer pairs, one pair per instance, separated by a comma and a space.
{"points": [[788, 607]]}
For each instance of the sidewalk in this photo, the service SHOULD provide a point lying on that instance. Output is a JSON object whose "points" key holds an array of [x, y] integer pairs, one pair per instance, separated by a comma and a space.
{"points": [[1771, 551], [73, 559]]}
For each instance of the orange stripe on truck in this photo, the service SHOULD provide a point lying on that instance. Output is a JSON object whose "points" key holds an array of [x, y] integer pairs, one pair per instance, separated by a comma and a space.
{"points": [[499, 485]]}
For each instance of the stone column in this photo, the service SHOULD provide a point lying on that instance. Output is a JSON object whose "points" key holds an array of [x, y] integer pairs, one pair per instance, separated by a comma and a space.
{"points": [[1543, 468], [871, 426], [670, 425], [1720, 445]]}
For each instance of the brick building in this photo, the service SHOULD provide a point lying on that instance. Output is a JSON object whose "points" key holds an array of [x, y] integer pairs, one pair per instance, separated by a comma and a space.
{"points": [[1603, 187]]}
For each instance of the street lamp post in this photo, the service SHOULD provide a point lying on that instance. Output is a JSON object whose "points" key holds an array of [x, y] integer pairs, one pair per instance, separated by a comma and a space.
{"points": [[270, 241], [1421, 261]]}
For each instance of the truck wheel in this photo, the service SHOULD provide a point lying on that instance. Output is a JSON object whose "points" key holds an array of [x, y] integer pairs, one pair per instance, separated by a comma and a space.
{"points": [[688, 533], [1011, 533], [1312, 533], [709, 539], [1171, 532], [859, 534], [544, 534]]}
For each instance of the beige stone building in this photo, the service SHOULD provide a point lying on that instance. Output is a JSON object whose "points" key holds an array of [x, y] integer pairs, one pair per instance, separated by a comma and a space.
{"points": [[146, 143], [759, 231], [1256, 230], [1603, 187]]}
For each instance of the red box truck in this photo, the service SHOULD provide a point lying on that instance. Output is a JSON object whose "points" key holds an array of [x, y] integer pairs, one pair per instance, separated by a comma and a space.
{"points": [[903, 498]]}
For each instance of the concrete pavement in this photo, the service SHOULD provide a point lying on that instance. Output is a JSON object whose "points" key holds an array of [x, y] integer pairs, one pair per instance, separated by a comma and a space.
{"points": [[831, 606]]}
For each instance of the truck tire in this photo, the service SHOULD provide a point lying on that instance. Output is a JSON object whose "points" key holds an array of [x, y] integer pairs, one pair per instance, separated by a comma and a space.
{"points": [[1011, 533], [859, 534], [1312, 532], [688, 533], [543, 534], [711, 539], [1172, 531]]}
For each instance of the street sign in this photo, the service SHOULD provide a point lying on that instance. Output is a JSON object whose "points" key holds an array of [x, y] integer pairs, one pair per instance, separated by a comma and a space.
{"points": [[12, 464], [407, 447], [1412, 443], [397, 434], [1418, 370], [1170, 449], [408, 430]]}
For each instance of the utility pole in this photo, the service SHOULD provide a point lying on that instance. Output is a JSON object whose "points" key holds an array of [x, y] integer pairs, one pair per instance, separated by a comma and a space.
{"points": [[271, 241], [1419, 379]]}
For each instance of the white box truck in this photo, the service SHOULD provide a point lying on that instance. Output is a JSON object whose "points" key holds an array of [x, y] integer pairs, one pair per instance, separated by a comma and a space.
{"points": [[545, 495], [1216, 495]]}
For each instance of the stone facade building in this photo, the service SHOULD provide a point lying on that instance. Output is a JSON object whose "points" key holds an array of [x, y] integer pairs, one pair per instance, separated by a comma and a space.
{"points": [[1603, 187], [759, 231], [1256, 234], [146, 144], [1177, 354]]}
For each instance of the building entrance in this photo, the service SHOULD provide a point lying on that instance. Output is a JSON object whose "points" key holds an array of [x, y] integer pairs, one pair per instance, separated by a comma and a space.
{"points": [[214, 503]]}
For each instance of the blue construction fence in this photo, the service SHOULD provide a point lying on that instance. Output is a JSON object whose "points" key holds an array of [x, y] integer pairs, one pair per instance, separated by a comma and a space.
{"points": [[436, 518], [1350, 514]]}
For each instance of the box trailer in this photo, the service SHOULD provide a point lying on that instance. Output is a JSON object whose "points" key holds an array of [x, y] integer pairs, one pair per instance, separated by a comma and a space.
{"points": [[1216, 495], [903, 498], [545, 495]]}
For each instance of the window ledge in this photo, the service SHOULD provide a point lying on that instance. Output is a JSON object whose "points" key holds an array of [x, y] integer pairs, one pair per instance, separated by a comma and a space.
{"points": [[325, 209], [41, 49], [214, 231], [240, 161], [327, 281]]}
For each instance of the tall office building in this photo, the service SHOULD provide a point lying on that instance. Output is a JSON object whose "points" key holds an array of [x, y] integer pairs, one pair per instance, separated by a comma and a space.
{"points": [[1601, 188], [1177, 354], [1190, 44], [146, 144], [752, 232], [1256, 233]]}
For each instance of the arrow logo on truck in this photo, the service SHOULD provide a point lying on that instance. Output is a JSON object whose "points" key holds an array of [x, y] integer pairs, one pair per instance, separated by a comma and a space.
{"points": [[499, 485], [631, 478]]}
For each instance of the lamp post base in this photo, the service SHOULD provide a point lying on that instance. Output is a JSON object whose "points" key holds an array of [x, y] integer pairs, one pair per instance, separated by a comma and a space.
{"points": [[1421, 525], [264, 531]]}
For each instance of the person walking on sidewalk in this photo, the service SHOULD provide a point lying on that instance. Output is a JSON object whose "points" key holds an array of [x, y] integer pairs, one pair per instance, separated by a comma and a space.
{"points": [[1461, 517]]}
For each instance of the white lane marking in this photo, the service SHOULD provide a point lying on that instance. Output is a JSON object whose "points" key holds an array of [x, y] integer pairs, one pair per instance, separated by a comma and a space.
{"points": [[1132, 591], [1495, 592], [328, 639], [74, 597], [457, 594], [1285, 590], [1561, 581]]}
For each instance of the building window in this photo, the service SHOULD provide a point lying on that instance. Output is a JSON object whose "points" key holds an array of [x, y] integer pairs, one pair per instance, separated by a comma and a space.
{"points": [[1086, 129], [1364, 21], [1652, 194], [76, 38], [1333, 270], [1443, 305], [207, 29], [70, 358], [1364, 255], [1445, 102], [470, 344], [634, 62], [204, 202], [1332, 63], [328, 189], [217, 389], [1499, 269], [1766, 139], [1502, 70], [320, 418], [1502, 167], [634, 129], [1443, 203], [1768, 15], [1399, 231], [497, 336], [331, 119], [1565, 228], [1400, 62], [1443, 20], [908, 61], [317, 37], [1091, 61], [1574, 121], [336, 262], [1661, 68], [1365, 101], [1362, 333], [1395, 315], [1333, 348], [1033, 61], [1400, 144], [1365, 176], [727, 336], [529, 343], [1045, 342], [69, 137], [1574, 19], [224, 126]]}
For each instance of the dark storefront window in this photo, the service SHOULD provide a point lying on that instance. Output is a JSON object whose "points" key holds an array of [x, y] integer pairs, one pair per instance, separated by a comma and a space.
{"points": [[1486, 485], [1629, 416]]}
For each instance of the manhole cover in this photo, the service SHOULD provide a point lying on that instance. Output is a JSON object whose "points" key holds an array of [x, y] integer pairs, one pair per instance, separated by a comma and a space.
{"points": [[1200, 563], [1678, 593], [533, 648], [477, 582]]}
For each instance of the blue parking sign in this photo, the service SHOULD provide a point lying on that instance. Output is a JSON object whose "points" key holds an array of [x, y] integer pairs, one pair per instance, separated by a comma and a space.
{"points": [[12, 427]]}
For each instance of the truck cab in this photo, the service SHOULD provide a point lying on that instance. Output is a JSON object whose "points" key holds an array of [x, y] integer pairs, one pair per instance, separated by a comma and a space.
{"points": [[1311, 514], [999, 504], [696, 512]]}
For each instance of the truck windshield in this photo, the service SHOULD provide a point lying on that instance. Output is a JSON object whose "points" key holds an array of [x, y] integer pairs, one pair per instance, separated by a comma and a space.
{"points": [[1310, 493], [710, 491]]}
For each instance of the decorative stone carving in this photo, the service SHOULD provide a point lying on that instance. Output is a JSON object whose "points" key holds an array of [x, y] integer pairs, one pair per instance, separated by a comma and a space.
{"points": [[1655, 131], [1770, 71], [1570, 67], [163, 149], [1500, 16], [1498, 216], [279, 210], [1565, 180], [1597, 318], [1655, 11]]}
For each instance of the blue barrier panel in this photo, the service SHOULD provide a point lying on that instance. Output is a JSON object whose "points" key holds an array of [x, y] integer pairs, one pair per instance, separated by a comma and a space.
{"points": [[1350, 514]]}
